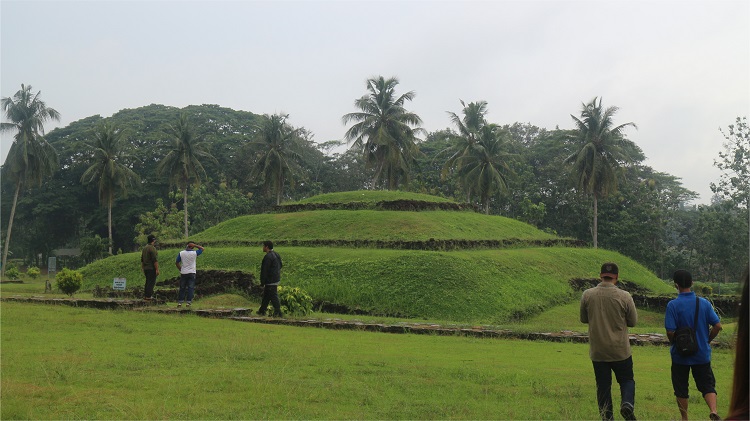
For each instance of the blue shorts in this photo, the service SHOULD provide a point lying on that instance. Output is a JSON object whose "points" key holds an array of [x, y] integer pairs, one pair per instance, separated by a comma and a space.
{"points": [[702, 374]]}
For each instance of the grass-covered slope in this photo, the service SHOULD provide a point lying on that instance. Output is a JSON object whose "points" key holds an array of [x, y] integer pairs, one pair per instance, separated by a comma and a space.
{"points": [[370, 225], [472, 285], [369, 196], [478, 286]]}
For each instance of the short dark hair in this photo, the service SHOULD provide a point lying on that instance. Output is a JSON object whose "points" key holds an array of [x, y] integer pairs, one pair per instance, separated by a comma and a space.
{"points": [[151, 238], [268, 244], [683, 278], [188, 244]]}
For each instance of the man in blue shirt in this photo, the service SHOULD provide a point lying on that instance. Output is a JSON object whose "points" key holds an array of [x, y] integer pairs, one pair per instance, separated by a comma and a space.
{"points": [[681, 312]]}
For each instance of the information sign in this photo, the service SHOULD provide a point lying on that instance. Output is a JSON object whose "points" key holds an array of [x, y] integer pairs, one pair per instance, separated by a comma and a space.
{"points": [[119, 284]]}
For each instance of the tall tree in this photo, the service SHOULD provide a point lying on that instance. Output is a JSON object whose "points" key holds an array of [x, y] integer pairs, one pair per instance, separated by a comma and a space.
{"points": [[735, 166], [277, 146], [183, 163], [601, 149], [469, 127], [484, 167], [109, 168], [30, 158], [384, 131]]}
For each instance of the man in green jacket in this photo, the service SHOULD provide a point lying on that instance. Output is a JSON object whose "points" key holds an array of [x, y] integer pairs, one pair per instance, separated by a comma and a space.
{"points": [[609, 311]]}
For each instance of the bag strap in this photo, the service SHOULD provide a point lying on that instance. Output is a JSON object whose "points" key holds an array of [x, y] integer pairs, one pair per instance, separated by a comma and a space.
{"points": [[695, 321]]}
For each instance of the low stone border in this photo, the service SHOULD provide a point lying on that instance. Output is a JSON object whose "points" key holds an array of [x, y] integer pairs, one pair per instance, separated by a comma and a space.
{"points": [[244, 315], [433, 329], [104, 304]]}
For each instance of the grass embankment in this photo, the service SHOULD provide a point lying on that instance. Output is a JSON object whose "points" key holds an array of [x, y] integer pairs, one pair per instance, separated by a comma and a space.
{"points": [[68, 363], [473, 286], [369, 196], [369, 225]]}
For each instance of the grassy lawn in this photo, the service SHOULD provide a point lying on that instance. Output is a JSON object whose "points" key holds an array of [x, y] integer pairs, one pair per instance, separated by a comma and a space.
{"points": [[61, 362]]}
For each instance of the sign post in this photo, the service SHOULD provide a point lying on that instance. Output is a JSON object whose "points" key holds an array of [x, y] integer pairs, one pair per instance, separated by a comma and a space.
{"points": [[119, 284]]}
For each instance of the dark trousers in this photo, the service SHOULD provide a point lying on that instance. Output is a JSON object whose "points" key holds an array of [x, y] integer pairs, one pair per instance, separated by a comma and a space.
{"points": [[624, 375], [270, 294], [187, 285], [150, 282]]}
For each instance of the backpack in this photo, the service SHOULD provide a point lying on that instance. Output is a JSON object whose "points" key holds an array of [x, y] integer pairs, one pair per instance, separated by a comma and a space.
{"points": [[684, 340]]}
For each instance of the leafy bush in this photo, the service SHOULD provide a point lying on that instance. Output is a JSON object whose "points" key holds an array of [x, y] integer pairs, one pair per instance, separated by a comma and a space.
{"points": [[12, 273], [69, 281], [33, 272], [295, 301]]}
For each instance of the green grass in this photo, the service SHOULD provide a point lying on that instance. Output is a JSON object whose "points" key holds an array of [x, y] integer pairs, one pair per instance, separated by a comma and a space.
{"points": [[70, 363], [370, 225], [474, 286], [370, 196]]}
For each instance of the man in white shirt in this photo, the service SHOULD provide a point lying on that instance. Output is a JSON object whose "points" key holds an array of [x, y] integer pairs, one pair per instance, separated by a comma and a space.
{"points": [[186, 260]]}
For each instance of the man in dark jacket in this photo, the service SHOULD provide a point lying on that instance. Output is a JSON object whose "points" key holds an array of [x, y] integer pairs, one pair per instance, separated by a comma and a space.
{"points": [[150, 267], [270, 276]]}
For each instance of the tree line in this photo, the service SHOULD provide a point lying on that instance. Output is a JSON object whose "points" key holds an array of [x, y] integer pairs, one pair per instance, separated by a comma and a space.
{"points": [[103, 184]]}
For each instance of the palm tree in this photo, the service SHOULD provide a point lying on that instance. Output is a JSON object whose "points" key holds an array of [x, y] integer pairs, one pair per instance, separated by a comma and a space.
{"points": [[183, 162], [483, 167], [30, 158], [108, 168], [602, 148], [278, 153], [384, 131], [469, 128]]}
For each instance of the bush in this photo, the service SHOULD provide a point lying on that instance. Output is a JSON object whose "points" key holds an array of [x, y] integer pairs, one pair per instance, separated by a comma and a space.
{"points": [[33, 272], [295, 301], [12, 273], [69, 281]]}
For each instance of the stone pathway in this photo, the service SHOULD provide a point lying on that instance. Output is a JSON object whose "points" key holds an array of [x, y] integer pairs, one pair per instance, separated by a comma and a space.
{"points": [[245, 315]]}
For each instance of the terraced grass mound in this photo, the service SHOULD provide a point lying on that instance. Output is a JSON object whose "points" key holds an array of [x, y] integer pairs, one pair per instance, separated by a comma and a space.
{"points": [[369, 226], [370, 196], [476, 286], [449, 265]]}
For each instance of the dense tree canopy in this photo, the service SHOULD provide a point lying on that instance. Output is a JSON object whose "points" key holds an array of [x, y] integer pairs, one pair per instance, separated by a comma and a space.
{"points": [[647, 218]]}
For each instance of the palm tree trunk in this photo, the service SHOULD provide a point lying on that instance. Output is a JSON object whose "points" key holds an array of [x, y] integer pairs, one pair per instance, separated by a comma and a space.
{"points": [[184, 206], [279, 189], [109, 222], [10, 226], [596, 221]]}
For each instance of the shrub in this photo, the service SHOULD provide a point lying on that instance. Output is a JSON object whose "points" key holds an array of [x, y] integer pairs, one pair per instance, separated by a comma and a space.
{"points": [[69, 281], [33, 272], [12, 273], [706, 290], [295, 301]]}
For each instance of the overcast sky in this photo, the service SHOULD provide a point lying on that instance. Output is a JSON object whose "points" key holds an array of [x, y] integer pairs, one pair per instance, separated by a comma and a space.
{"points": [[680, 69]]}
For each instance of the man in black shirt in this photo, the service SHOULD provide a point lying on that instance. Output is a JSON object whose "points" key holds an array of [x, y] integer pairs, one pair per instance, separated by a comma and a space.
{"points": [[270, 277]]}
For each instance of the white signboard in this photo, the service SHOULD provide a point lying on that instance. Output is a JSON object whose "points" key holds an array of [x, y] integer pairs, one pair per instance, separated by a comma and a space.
{"points": [[119, 284], [52, 264]]}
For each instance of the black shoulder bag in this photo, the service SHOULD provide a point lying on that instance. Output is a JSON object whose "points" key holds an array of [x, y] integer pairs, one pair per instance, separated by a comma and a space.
{"points": [[685, 342]]}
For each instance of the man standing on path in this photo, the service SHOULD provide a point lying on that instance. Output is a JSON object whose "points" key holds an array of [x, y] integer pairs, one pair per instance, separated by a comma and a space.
{"points": [[270, 277], [609, 311], [150, 267], [681, 312], [186, 264]]}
